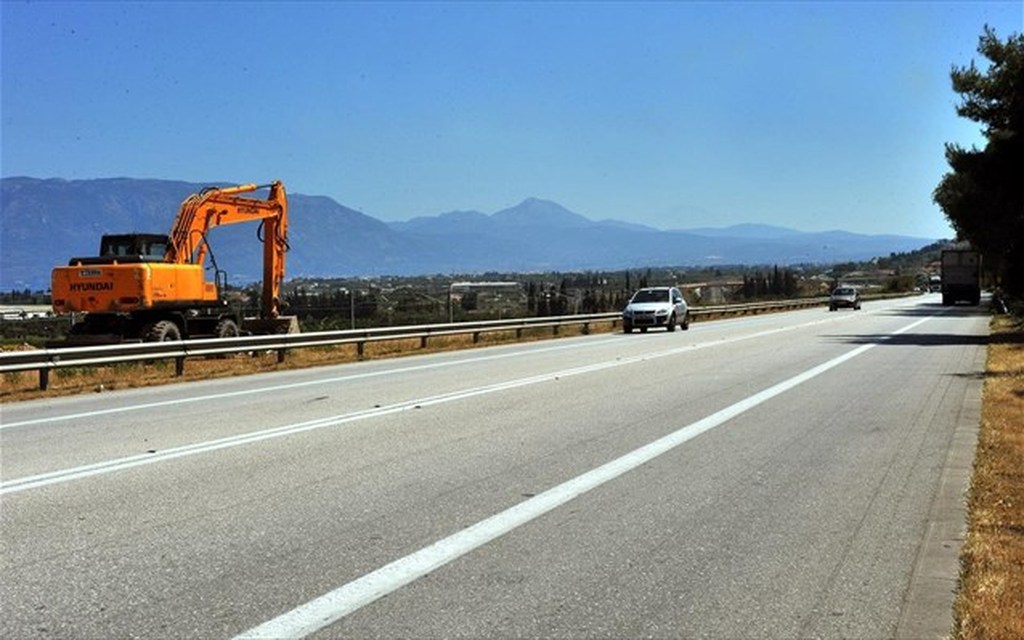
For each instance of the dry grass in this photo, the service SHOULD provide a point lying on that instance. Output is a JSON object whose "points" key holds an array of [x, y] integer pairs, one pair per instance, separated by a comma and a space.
{"points": [[990, 602], [25, 385]]}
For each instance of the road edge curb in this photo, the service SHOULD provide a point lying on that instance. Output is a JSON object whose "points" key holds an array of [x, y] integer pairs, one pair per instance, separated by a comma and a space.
{"points": [[928, 604]]}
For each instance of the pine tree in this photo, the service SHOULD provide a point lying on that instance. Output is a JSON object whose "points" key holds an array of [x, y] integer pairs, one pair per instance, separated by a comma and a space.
{"points": [[983, 195]]}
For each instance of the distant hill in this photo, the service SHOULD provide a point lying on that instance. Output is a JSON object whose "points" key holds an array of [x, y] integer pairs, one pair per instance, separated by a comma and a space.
{"points": [[748, 231], [541, 234], [45, 222]]}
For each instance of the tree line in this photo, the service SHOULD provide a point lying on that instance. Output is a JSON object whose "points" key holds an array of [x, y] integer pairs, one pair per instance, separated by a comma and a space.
{"points": [[340, 304], [983, 194]]}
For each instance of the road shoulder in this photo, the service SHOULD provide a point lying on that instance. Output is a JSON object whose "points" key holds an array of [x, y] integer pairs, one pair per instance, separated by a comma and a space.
{"points": [[928, 605]]}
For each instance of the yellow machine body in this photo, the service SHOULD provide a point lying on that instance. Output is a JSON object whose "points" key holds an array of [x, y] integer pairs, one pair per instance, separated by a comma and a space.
{"points": [[128, 287]]}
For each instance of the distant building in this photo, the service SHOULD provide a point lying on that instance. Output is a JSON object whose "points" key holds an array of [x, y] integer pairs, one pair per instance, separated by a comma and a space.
{"points": [[507, 299]]}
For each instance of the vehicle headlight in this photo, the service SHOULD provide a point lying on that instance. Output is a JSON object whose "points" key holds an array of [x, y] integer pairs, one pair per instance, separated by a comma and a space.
{"points": [[662, 312]]}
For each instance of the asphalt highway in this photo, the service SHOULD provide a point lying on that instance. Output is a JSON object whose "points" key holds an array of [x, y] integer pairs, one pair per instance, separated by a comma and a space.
{"points": [[780, 476]]}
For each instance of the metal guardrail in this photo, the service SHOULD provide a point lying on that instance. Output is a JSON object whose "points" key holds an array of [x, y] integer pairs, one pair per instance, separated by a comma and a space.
{"points": [[46, 360]]}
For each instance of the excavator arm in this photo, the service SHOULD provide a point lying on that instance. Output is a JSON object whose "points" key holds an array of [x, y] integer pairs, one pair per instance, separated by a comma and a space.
{"points": [[214, 207]]}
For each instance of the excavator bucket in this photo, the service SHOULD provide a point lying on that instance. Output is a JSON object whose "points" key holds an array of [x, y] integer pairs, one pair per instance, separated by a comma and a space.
{"points": [[268, 326]]}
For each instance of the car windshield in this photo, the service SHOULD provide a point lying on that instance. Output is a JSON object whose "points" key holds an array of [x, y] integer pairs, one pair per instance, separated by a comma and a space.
{"points": [[843, 292], [651, 295]]}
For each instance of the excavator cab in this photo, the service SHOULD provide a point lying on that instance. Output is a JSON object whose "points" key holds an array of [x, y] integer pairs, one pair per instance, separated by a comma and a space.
{"points": [[146, 247], [127, 248]]}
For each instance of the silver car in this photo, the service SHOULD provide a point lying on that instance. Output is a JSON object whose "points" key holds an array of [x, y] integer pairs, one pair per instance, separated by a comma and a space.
{"points": [[656, 307], [847, 297]]}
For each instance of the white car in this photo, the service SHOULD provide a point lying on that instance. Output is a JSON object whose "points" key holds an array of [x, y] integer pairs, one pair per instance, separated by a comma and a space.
{"points": [[656, 307]]}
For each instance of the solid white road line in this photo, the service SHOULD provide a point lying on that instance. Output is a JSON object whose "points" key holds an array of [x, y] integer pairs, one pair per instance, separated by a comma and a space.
{"points": [[279, 387], [119, 464], [331, 607], [371, 374]]}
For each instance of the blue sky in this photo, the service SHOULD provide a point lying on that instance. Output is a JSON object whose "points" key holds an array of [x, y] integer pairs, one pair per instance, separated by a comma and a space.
{"points": [[813, 115]]}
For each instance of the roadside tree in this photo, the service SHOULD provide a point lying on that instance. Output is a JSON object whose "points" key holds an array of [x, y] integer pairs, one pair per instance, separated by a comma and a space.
{"points": [[983, 195]]}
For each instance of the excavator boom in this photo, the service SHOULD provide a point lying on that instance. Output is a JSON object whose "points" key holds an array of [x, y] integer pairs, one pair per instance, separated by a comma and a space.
{"points": [[215, 207]]}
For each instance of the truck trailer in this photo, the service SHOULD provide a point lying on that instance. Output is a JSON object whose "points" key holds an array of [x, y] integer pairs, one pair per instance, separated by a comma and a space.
{"points": [[961, 276]]}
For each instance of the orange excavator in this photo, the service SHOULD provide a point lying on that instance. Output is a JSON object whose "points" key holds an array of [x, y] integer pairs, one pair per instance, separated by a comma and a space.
{"points": [[151, 287]]}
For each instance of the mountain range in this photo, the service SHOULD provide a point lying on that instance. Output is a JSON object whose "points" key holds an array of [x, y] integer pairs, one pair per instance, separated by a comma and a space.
{"points": [[45, 222]]}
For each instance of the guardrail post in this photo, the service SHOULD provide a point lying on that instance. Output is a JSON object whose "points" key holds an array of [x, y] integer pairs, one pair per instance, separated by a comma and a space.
{"points": [[179, 366], [360, 347], [554, 329], [280, 355], [519, 333], [423, 342], [44, 379], [476, 337], [586, 328]]}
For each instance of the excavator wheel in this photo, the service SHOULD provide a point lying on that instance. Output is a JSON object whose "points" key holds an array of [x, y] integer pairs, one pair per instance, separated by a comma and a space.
{"points": [[227, 328], [162, 331]]}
